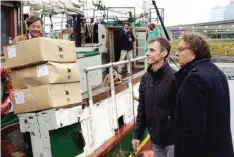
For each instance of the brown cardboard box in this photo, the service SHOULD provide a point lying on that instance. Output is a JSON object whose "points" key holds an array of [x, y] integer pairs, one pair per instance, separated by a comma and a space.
{"points": [[38, 50], [46, 97], [45, 73]]}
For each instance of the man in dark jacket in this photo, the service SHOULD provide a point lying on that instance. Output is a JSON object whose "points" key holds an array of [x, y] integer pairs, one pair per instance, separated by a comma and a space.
{"points": [[127, 39], [202, 118], [157, 94]]}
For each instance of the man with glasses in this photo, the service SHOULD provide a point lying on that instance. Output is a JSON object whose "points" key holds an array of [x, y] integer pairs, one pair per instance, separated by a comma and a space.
{"points": [[127, 39], [202, 117]]}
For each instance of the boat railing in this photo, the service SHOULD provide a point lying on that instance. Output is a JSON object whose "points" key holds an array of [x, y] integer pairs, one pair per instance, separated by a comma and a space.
{"points": [[112, 86], [110, 66]]}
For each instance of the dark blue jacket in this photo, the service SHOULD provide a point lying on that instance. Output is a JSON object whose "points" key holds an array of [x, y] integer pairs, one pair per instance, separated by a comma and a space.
{"points": [[125, 43], [202, 117], [157, 94]]}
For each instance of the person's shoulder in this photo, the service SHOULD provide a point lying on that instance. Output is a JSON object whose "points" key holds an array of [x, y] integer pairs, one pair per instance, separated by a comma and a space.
{"points": [[20, 38], [144, 76]]}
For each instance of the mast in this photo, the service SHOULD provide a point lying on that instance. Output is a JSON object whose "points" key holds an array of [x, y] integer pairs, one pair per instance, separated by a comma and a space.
{"points": [[164, 28], [161, 21]]}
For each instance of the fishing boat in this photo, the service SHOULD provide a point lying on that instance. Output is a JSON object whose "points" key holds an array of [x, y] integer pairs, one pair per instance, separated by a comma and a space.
{"points": [[103, 124]]}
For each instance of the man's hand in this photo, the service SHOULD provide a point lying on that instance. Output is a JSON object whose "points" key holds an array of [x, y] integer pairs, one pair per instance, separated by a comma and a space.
{"points": [[135, 98], [130, 39], [135, 144]]}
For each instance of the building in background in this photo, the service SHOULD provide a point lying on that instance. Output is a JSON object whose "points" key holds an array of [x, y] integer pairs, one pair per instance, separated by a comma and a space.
{"points": [[229, 11], [220, 13], [217, 13]]}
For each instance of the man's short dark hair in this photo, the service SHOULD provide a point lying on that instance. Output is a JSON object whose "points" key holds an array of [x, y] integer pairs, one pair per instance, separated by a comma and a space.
{"points": [[126, 24], [198, 44], [164, 44], [33, 19]]}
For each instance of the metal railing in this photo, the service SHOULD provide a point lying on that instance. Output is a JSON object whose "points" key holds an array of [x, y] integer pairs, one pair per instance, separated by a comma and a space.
{"points": [[112, 86], [110, 66]]}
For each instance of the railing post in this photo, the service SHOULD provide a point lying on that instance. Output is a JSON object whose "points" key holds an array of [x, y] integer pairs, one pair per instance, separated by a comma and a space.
{"points": [[90, 97], [112, 84], [89, 88], [131, 90]]}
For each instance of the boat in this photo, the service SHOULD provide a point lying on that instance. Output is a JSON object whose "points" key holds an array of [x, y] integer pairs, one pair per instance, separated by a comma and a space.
{"points": [[103, 124]]}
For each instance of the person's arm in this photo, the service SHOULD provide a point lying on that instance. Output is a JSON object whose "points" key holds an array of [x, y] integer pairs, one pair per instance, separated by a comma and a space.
{"points": [[156, 32], [132, 36], [19, 38], [16, 40], [195, 103], [141, 117]]}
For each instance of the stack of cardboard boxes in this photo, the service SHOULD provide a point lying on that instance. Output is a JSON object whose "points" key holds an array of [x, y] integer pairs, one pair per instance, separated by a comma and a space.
{"points": [[45, 74]]}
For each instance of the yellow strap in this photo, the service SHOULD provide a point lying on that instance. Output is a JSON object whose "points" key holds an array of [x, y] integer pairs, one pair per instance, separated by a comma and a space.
{"points": [[142, 144]]}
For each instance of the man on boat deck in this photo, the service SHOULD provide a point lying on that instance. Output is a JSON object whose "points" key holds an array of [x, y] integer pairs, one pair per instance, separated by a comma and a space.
{"points": [[202, 117], [157, 94], [34, 24], [127, 39]]}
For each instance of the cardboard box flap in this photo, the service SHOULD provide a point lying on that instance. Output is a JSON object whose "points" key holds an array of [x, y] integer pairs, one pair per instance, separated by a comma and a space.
{"points": [[65, 94], [46, 73], [21, 53], [38, 50], [46, 97], [31, 99], [63, 50], [62, 73]]}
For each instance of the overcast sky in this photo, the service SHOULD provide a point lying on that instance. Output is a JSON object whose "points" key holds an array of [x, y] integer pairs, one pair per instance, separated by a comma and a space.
{"points": [[178, 11]]}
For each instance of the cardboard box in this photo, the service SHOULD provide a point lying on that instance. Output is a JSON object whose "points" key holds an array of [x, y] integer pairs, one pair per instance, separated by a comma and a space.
{"points": [[46, 97], [39, 50], [46, 73]]}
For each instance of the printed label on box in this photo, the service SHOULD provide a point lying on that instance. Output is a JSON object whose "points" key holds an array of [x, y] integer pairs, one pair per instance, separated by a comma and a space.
{"points": [[42, 70], [11, 52], [19, 98]]}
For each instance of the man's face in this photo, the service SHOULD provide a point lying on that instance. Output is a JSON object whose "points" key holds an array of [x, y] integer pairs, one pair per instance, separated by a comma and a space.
{"points": [[184, 54], [35, 29], [154, 54], [125, 27]]}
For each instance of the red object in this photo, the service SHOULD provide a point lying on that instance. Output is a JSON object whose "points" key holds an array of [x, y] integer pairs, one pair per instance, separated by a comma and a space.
{"points": [[6, 89], [6, 105], [146, 153]]}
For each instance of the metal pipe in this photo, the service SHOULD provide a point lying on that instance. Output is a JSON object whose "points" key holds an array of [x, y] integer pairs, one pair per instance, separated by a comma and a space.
{"points": [[120, 62], [97, 67], [113, 64], [138, 58], [89, 88], [131, 90], [112, 84]]}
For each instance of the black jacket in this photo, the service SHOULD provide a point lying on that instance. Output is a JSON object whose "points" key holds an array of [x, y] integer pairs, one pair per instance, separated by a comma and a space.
{"points": [[157, 94], [125, 43], [202, 118]]}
